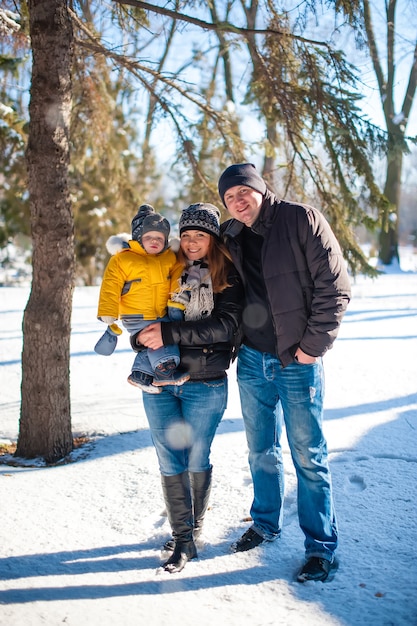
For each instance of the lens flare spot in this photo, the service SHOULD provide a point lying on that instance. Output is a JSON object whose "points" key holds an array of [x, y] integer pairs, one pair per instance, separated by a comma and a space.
{"points": [[180, 436], [255, 316]]}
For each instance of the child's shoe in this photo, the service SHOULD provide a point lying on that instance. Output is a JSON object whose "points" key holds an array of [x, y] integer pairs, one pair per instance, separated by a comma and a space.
{"points": [[143, 381], [168, 373]]}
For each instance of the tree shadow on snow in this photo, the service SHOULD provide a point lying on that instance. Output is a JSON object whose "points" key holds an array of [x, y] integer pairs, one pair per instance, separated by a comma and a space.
{"points": [[114, 559]]}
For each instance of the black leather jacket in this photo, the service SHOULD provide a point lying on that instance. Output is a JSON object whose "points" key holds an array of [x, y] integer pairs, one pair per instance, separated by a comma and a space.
{"points": [[208, 345], [306, 278]]}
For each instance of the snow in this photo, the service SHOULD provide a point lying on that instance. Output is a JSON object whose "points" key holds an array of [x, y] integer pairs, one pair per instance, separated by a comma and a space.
{"points": [[81, 541]]}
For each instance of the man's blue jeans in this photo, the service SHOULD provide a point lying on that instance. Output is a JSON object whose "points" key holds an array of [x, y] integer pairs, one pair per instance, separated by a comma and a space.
{"points": [[270, 394], [183, 421]]}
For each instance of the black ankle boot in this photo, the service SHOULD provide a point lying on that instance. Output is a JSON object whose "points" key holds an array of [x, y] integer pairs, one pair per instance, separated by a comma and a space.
{"points": [[183, 551], [177, 495]]}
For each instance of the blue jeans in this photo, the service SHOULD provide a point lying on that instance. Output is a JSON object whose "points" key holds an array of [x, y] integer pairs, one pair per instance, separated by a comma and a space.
{"points": [[271, 394], [183, 421]]}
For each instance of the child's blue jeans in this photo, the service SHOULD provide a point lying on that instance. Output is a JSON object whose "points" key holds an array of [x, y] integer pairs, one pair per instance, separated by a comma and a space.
{"points": [[147, 360]]}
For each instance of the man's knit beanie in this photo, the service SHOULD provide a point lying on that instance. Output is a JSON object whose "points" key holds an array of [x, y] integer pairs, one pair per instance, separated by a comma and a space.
{"points": [[201, 216], [146, 220], [241, 174]]}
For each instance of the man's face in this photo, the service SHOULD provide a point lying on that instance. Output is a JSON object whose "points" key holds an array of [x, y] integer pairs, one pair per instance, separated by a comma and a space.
{"points": [[243, 203]]}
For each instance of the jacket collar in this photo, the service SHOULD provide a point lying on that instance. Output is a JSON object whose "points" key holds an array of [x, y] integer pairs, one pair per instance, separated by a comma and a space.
{"points": [[263, 222]]}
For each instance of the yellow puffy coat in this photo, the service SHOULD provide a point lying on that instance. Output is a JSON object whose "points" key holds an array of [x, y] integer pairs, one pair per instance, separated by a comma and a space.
{"points": [[137, 283]]}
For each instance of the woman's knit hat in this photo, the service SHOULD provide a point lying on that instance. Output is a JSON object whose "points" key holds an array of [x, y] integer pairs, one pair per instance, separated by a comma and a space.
{"points": [[201, 216], [241, 174], [146, 220]]}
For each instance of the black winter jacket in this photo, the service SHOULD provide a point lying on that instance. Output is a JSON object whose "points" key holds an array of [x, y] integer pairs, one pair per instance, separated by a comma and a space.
{"points": [[207, 345], [306, 278]]}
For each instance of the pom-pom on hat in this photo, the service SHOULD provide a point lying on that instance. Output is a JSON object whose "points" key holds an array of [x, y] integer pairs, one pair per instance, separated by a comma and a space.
{"points": [[146, 220], [201, 216], [241, 174]]}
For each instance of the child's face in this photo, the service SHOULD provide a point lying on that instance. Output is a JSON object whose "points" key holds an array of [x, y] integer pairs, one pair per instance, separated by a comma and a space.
{"points": [[153, 242]]}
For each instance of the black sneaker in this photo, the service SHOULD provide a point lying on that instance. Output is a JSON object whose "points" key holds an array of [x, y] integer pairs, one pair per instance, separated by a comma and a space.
{"points": [[167, 373], [316, 569], [250, 539], [143, 381]]}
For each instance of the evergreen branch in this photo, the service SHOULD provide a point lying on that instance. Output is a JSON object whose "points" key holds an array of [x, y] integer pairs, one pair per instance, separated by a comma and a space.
{"points": [[14, 122], [136, 68]]}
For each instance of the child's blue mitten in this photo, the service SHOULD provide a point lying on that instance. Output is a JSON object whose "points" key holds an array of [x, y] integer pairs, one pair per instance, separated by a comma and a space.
{"points": [[106, 345]]}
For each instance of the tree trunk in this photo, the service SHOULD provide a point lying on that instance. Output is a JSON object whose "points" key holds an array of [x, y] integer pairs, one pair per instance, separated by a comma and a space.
{"points": [[388, 238], [45, 420]]}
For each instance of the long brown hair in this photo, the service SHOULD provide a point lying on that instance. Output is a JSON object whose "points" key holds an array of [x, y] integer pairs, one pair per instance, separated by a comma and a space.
{"points": [[219, 262]]}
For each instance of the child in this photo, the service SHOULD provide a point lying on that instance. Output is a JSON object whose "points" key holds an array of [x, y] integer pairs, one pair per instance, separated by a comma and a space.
{"points": [[137, 282]]}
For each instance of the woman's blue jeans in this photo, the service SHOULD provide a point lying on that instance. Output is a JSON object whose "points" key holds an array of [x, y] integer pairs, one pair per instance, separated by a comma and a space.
{"points": [[183, 421], [271, 395]]}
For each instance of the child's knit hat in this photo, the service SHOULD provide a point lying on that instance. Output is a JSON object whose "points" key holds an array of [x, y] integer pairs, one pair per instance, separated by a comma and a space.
{"points": [[201, 216], [146, 220]]}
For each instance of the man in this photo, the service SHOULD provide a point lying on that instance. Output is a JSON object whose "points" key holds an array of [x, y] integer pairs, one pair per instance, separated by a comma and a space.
{"points": [[296, 291]]}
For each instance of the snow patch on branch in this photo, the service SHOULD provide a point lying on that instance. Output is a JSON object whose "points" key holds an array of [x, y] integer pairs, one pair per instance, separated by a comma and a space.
{"points": [[8, 22]]}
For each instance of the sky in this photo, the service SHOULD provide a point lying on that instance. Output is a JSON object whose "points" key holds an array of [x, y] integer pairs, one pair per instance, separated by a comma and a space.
{"points": [[81, 541]]}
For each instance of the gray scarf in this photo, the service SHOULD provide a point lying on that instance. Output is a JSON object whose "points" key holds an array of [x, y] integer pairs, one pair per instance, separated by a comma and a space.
{"points": [[195, 291]]}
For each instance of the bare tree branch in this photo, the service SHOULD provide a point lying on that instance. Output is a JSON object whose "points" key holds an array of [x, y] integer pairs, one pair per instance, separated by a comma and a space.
{"points": [[411, 87], [152, 99], [226, 27]]}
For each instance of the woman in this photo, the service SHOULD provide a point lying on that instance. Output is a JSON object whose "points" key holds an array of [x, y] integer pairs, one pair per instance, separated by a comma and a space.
{"points": [[183, 420]]}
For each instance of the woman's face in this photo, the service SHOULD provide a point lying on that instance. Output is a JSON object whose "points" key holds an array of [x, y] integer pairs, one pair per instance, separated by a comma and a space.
{"points": [[195, 244]]}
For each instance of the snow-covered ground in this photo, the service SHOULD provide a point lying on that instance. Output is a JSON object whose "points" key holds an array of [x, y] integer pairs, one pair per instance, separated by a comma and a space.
{"points": [[80, 543]]}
